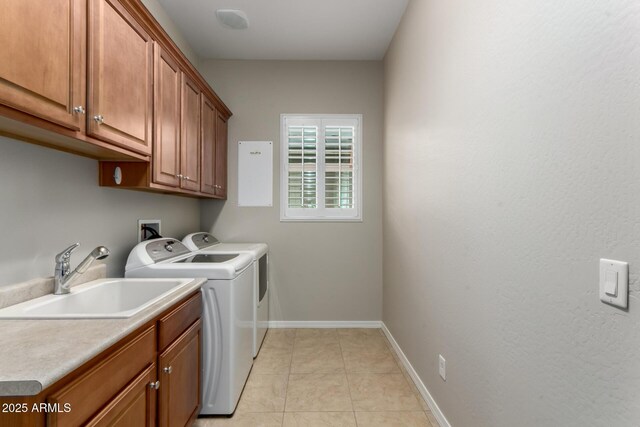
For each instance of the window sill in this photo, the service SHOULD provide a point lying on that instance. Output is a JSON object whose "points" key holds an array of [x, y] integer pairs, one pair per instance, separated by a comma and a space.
{"points": [[328, 219]]}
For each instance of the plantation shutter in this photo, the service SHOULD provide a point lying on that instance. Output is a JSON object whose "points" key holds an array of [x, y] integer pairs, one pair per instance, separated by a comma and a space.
{"points": [[321, 174]]}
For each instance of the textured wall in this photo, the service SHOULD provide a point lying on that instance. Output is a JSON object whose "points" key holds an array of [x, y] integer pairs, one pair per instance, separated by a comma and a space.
{"points": [[158, 12], [50, 199], [511, 155], [320, 271]]}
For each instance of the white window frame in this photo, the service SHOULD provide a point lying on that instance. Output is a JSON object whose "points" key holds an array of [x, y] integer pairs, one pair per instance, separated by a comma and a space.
{"points": [[321, 214]]}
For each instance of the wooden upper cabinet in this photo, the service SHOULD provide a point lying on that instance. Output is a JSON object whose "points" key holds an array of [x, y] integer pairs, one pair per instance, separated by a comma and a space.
{"points": [[190, 144], [166, 141], [42, 59], [221, 156], [208, 133], [120, 77]]}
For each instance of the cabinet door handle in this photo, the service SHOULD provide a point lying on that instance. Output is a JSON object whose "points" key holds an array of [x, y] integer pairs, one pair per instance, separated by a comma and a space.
{"points": [[187, 178], [179, 176], [79, 109], [99, 119], [154, 385], [167, 369]]}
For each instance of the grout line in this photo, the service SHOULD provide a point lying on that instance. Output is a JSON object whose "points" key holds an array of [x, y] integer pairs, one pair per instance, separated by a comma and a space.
{"points": [[346, 375], [286, 393]]}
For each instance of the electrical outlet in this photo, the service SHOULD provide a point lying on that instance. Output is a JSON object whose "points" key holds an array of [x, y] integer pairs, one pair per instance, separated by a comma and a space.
{"points": [[442, 367]]}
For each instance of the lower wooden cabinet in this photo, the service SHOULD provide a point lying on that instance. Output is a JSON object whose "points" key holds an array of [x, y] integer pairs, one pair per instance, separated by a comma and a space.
{"points": [[179, 393], [151, 377], [133, 406], [97, 385]]}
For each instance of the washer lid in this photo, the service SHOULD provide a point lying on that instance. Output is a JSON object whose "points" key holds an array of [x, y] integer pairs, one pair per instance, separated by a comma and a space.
{"points": [[208, 258], [255, 249], [198, 241]]}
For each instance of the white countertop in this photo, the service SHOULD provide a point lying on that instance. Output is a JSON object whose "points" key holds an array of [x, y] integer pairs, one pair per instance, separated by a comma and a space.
{"points": [[34, 354]]}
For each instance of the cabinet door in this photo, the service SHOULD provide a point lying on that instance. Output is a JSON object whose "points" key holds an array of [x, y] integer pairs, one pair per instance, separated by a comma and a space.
{"points": [[179, 371], [133, 406], [208, 132], [190, 144], [120, 77], [98, 385], [221, 156], [42, 59], [166, 145]]}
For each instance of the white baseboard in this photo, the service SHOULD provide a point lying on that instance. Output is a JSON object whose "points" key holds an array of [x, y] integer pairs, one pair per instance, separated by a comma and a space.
{"points": [[324, 324], [435, 410]]}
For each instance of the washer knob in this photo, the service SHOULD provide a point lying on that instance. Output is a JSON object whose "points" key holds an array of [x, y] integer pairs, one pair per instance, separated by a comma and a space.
{"points": [[168, 247]]}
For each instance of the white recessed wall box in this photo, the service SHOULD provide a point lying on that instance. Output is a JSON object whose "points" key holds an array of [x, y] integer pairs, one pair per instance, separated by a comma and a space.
{"points": [[614, 282]]}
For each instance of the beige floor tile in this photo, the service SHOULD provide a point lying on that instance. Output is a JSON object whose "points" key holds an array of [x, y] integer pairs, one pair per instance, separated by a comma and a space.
{"points": [[373, 361], [358, 332], [315, 337], [279, 338], [392, 419], [273, 360], [363, 342], [381, 392], [432, 419], [422, 403], [317, 359], [412, 385], [263, 393], [242, 420], [319, 419], [318, 392]]}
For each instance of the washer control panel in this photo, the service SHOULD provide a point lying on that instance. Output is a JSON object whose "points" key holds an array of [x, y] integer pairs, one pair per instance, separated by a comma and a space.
{"points": [[204, 240], [163, 249]]}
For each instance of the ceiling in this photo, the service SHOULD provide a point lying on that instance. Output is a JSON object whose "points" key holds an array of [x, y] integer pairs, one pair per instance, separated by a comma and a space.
{"points": [[290, 29]]}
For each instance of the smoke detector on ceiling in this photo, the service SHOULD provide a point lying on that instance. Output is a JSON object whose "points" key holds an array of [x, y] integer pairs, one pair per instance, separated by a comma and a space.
{"points": [[233, 18]]}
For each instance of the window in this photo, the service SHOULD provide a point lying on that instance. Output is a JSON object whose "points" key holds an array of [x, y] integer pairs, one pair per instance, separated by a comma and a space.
{"points": [[321, 158]]}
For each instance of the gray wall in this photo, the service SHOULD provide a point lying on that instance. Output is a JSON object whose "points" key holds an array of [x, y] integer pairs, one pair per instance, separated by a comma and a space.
{"points": [[50, 199], [158, 12], [320, 271], [511, 166]]}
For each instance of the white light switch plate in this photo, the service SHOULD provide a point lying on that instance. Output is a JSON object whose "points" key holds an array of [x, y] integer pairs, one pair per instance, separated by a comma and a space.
{"points": [[442, 367], [614, 282]]}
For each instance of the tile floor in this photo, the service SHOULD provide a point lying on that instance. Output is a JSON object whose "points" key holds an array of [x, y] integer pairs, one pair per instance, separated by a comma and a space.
{"points": [[327, 378]]}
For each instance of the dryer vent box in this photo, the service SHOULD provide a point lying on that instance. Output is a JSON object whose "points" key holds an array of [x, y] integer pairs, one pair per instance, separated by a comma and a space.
{"points": [[149, 229]]}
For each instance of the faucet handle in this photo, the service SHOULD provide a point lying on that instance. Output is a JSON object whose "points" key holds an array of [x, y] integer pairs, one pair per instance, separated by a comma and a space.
{"points": [[66, 254]]}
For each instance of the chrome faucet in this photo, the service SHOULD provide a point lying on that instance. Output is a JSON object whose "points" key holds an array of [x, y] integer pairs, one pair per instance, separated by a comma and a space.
{"points": [[62, 276]]}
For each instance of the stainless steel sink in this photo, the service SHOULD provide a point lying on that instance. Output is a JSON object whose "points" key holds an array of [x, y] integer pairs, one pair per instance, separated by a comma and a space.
{"points": [[106, 298]]}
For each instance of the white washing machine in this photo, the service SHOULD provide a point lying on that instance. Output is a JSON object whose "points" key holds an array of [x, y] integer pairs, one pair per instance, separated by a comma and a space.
{"points": [[227, 331], [206, 243]]}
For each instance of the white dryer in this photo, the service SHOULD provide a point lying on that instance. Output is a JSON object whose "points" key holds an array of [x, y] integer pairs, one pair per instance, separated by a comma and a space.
{"points": [[207, 243], [227, 332]]}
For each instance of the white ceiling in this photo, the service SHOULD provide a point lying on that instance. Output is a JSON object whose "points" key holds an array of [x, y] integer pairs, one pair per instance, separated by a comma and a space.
{"points": [[290, 29]]}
